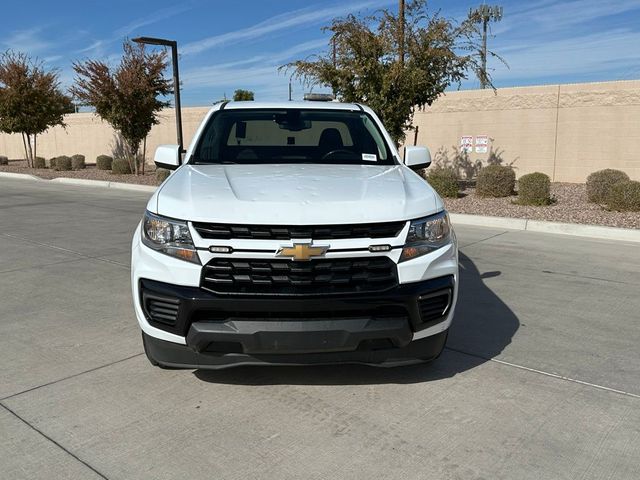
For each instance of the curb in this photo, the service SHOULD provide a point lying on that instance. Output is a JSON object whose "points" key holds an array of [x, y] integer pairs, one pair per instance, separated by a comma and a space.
{"points": [[573, 229], [22, 176], [82, 182]]}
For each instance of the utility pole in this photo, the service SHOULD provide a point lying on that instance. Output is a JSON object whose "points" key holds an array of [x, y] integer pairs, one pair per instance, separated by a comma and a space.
{"points": [[485, 14], [401, 33]]}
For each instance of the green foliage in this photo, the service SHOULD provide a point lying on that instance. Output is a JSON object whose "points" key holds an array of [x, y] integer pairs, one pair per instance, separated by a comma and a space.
{"points": [[4, 160], [103, 162], [77, 162], [162, 174], [495, 181], [600, 184], [625, 196], [39, 162], [121, 166], [444, 181], [63, 163], [367, 67], [31, 100], [242, 95], [534, 189], [52, 162], [126, 97]]}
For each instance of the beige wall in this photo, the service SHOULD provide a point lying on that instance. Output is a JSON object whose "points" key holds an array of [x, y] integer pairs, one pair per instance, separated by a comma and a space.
{"points": [[565, 131], [87, 134]]}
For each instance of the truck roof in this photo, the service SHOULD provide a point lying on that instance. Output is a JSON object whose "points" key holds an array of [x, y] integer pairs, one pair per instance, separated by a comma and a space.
{"points": [[304, 104]]}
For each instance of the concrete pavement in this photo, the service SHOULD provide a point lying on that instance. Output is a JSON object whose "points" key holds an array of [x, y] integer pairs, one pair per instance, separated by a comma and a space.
{"points": [[541, 377]]}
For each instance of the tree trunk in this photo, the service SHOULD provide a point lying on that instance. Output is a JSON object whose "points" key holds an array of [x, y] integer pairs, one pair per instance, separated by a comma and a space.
{"points": [[30, 160], [26, 152], [35, 149], [144, 154]]}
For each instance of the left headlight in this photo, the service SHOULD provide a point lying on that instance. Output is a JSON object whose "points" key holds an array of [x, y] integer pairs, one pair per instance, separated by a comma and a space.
{"points": [[426, 235], [168, 236]]}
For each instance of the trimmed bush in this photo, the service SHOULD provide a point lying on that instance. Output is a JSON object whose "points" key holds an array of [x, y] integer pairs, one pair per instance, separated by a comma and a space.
{"points": [[39, 162], [600, 183], [444, 181], [4, 160], [162, 174], [103, 162], [63, 163], [534, 189], [625, 196], [120, 166], [52, 162], [495, 181], [77, 162]]}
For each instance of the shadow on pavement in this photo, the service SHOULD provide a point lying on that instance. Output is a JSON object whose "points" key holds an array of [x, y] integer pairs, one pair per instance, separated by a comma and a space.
{"points": [[483, 326]]}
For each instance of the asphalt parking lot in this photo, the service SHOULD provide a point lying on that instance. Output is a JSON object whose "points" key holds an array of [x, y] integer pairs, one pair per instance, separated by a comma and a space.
{"points": [[540, 379]]}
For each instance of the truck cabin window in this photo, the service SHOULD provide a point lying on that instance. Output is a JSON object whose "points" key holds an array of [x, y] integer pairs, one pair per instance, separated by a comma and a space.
{"points": [[292, 136]]}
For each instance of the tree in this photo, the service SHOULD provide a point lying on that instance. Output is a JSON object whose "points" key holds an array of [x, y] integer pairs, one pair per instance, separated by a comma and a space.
{"points": [[31, 100], [126, 97], [394, 63], [242, 95]]}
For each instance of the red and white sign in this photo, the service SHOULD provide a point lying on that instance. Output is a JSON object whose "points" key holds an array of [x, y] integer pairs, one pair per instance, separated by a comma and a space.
{"points": [[466, 143], [482, 143]]}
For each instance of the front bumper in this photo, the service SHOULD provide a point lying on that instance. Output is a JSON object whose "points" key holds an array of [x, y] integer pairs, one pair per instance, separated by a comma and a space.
{"points": [[369, 327], [209, 329]]}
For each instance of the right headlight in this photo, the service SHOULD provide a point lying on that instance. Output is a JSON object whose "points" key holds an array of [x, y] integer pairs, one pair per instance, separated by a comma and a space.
{"points": [[168, 236], [426, 235]]}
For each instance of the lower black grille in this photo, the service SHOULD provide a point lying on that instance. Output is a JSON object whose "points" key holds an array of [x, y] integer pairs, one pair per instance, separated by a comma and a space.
{"points": [[434, 305], [161, 309], [286, 277]]}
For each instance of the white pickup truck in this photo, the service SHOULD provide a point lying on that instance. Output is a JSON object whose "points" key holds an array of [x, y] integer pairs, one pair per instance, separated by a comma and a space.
{"points": [[293, 233]]}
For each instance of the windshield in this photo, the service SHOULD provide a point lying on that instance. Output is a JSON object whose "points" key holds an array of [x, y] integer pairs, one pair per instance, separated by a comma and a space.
{"points": [[260, 136]]}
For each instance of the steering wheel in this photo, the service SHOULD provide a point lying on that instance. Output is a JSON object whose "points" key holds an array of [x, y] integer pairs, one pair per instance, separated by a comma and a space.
{"points": [[335, 152]]}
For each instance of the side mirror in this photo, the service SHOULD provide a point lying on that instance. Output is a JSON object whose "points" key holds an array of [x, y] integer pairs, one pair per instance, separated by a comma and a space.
{"points": [[417, 158], [167, 156]]}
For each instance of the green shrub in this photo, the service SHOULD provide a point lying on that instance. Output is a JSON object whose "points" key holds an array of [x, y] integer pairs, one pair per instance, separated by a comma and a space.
{"points": [[103, 162], [534, 189], [495, 181], [120, 166], [52, 162], [63, 163], [4, 160], [444, 181], [600, 183], [625, 196], [39, 162], [77, 162], [162, 174]]}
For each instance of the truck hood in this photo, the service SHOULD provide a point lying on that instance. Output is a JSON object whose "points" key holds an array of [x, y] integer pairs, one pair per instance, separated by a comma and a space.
{"points": [[295, 194]]}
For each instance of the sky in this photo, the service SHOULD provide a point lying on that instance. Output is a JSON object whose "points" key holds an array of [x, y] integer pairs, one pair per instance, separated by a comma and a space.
{"points": [[225, 45]]}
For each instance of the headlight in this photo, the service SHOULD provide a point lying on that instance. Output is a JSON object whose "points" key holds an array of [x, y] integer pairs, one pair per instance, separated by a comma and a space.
{"points": [[168, 236], [426, 235]]}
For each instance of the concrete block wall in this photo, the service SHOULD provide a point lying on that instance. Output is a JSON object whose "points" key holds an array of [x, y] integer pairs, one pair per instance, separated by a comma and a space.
{"points": [[565, 131]]}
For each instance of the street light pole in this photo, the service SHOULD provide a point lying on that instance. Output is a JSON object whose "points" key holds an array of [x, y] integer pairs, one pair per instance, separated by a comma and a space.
{"points": [[176, 80]]}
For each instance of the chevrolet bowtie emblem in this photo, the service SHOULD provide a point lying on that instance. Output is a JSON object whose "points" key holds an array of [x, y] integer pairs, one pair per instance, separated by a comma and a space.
{"points": [[302, 251]]}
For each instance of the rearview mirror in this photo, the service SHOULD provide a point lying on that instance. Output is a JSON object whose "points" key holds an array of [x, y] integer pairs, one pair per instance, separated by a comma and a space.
{"points": [[167, 156], [417, 158]]}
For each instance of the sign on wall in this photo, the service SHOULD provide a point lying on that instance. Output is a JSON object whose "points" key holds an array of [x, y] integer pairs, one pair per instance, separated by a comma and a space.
{"points": [[482, 144], [466, 143]]}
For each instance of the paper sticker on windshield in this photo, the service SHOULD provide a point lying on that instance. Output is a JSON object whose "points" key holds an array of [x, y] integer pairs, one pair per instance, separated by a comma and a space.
{"points": [[369, 157]]}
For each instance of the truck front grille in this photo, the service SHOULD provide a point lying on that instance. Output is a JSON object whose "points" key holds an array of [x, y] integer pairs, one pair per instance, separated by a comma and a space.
{"points": [[286, 277], [283, 232]]}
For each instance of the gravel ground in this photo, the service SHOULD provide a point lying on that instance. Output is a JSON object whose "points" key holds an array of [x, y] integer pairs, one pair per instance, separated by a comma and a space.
{"points": [[89, 173], [571, 200], [571, 206]]}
